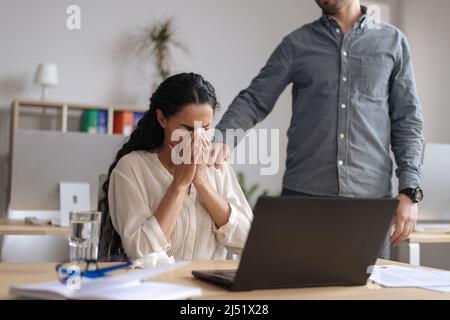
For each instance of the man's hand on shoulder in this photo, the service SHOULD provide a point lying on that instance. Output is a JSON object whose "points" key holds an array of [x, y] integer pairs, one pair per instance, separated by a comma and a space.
{"points": [[219, 153]]}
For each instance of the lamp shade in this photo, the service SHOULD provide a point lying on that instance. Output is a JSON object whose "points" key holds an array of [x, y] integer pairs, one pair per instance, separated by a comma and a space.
{"points": [[46, 74]]}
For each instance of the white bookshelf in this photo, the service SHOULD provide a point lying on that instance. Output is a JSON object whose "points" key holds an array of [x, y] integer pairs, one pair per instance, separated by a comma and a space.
{"points": [[36, 111], [62, 109]]}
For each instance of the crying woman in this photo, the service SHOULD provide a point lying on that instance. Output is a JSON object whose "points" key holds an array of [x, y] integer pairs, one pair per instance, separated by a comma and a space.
{"points": [[154, 203]]}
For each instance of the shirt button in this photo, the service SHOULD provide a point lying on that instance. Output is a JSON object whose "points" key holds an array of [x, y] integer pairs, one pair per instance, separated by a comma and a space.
{"points": [[344, 53], [342, 136], [340, 163], [344, 79], [338, 31], [343, 106]]}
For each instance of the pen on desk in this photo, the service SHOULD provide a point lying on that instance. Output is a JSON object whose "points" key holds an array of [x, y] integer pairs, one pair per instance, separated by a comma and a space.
{"points": [[67, 270]]}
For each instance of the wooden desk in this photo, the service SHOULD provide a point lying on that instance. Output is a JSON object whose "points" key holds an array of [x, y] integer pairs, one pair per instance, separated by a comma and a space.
{"points": [[418, 238], [27, 273], [18, 227], [429, 237]]}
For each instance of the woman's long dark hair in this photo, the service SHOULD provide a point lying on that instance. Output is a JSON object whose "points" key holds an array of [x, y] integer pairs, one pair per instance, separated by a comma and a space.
{"points": [[170, 97]]}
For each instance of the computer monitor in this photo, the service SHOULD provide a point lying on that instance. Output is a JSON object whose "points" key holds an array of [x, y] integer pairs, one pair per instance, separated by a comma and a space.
{"points": [[40, 161], [43, 159]]}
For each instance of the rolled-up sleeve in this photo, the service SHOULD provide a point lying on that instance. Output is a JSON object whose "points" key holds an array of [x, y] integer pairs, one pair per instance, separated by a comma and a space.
{"points": [[406, 121], [130, 213], [233, 235]]}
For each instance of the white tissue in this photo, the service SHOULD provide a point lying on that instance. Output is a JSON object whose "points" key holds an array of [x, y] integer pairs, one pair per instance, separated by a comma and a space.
{"points": [[153, 259], [199, 131], [199, 134]]}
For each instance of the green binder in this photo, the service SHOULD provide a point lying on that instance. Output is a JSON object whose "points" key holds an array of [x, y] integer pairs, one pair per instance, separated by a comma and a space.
{"points": [[89, 121]]}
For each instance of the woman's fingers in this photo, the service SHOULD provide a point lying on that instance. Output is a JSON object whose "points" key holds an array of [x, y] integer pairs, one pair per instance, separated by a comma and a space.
{"points": [[211, 156], [206, 147], [201, 148], [194, 148], [180, 144], [198, 151]]}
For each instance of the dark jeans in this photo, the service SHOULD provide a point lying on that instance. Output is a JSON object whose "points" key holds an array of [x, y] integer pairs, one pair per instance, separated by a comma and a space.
{"points": [[385, 251]]}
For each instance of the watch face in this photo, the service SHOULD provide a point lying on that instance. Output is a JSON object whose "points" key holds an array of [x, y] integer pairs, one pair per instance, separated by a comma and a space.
{"points": [[419, 195]]}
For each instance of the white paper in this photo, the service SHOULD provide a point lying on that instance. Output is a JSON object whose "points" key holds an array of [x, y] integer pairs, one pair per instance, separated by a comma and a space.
{"points": [[128, 285], [400, 277]]}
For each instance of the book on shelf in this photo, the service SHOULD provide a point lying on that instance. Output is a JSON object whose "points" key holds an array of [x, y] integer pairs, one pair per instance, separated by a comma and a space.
{"points": [[102, 125], [138, 116], [89, 121], [123, 122], [96, 121]]}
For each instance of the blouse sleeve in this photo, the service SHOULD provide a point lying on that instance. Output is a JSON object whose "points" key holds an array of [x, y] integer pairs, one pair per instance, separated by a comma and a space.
{"points": [[138, 228], [233, 235]]}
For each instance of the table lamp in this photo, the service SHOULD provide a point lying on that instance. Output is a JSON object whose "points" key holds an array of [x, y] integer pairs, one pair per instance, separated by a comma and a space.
{"points": [[46, 76]]}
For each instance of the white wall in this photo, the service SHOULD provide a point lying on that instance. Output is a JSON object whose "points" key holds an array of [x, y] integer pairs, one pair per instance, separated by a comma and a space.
{"points": [[229, 42], [425, 24]]}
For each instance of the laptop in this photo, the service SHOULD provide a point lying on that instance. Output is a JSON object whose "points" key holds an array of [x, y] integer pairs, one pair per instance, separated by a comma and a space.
{"points": [[299, 242]]}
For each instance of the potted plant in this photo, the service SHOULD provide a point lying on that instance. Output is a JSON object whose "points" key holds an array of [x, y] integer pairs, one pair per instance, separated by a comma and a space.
{"points": [[157, 41], [249, 191]]}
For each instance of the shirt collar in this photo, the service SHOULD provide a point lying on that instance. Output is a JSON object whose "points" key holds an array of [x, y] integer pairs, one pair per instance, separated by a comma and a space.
{"points": [[361, 23]]}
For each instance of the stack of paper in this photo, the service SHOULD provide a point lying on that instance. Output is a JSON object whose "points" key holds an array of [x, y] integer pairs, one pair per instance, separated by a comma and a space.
{"points": [[393, 276], [126, 286]]}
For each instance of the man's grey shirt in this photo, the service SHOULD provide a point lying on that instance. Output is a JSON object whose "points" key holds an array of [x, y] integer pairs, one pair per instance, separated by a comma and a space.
{"points": [[354, 97]]}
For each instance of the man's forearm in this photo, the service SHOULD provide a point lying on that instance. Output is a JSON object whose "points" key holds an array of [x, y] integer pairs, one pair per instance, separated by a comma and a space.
{"points": [[407, 145], [241, 115], [406, 122], [253, 104]]}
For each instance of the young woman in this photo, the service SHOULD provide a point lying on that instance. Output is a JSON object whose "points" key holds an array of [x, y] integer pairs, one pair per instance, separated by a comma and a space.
{"points": [[152, 204]]}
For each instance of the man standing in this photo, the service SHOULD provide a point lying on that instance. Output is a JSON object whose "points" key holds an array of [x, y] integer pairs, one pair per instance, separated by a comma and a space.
{"points": [[354, 97]]}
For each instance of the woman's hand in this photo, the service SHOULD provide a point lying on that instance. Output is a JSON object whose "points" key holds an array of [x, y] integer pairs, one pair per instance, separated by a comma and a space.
{"points": [[183, 173], [200, 179], [172, 202]]}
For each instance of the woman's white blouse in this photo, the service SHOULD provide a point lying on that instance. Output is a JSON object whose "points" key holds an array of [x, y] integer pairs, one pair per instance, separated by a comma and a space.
{"points": [[138, 184]]}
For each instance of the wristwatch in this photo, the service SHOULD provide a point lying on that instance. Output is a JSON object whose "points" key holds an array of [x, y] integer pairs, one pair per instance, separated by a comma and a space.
{"points": [[416, 194]]}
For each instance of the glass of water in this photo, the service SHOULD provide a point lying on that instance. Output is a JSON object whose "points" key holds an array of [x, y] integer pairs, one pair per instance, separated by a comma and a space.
{"points": [[84, 235]]}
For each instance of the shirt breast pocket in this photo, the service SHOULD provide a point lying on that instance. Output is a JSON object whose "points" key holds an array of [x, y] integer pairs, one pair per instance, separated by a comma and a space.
{"points": [[374, 75]]}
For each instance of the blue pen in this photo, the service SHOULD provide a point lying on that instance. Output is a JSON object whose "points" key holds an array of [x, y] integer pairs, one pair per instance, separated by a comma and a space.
{"points": [[92, 274]]}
